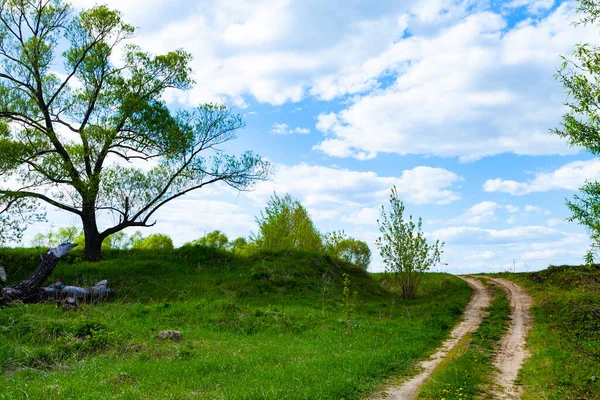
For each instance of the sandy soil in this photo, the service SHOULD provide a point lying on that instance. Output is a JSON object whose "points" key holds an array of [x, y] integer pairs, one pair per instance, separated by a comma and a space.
{"points": [[472, 318], [512, 352]]}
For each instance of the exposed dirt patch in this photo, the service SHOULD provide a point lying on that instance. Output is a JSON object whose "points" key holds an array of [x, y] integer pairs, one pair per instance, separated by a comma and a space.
{"points": [[472, 319], [512, 352]]}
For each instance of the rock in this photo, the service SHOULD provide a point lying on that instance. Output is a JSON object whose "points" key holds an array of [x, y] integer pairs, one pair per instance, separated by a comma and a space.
{"points": [[3, 276], [171, 335]]}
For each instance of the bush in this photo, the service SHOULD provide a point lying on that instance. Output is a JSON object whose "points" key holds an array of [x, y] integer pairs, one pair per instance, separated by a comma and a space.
{"points": [[285, 225], [154, 241], [348, 249]]}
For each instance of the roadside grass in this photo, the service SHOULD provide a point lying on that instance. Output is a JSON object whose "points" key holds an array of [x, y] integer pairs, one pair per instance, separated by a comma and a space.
{"points": [[565, 338], [271, 326], [468, 370]]}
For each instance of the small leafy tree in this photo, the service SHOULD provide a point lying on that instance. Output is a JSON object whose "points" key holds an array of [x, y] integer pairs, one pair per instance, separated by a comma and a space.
{"points": [[348, 249], [285, 225], [156, 241], [216, 239], [404, 248], [580, 75]]}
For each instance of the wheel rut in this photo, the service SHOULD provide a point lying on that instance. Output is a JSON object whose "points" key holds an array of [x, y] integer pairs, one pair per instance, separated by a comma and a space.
{"points": [[509, 357], [512, 352], [472, 319]]}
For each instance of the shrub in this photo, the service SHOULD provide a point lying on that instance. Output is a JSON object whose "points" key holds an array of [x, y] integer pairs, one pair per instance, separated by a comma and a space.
{"points": [[285, 224]]}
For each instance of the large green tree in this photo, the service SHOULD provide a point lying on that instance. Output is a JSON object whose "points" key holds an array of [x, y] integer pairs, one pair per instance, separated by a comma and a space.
{"points": [[580, 75], [87, 133]]}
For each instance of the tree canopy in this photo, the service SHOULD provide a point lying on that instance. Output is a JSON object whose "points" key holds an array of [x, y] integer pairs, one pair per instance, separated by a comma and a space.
{"points": [[285, 225], [216, 239], [89, 134], [348, 249], [580, 75]]}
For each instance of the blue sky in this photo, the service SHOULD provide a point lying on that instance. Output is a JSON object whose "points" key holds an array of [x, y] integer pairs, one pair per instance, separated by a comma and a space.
{"points": [[451, 101]]}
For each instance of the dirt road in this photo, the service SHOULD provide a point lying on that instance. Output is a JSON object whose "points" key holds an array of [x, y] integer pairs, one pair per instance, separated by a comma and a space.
{"points": [[512, 352], [472, 318], [510, 356]]}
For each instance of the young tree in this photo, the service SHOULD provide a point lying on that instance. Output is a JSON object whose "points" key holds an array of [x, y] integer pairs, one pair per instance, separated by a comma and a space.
{"points": [[216, 239], [153, 242], [286, 225], [69, 136], [348, 249], [580, 75], [404, 248]]}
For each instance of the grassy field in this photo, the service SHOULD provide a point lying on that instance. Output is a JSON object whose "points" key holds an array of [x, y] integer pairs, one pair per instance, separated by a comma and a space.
{"points": [[273, 326], [565, 338], [468, 369]]}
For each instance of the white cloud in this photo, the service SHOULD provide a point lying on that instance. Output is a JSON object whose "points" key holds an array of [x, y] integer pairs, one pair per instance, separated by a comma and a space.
{"points": [[364, 216], [512, 209], [570, 176], [472, 90], [319, 185], [284, 129], [532, 6], [480, 255], [479, 213], [475, 235], [554, 221], [535, 209]]}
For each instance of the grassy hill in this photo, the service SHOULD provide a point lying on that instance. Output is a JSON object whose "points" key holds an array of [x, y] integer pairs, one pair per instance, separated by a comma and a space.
{"points": [[565, 338], [270, 326]]}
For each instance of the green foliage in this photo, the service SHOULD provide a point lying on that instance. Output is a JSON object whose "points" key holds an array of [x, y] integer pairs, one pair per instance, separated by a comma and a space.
{"points": [[286, 225], [15, 216], [216, 239], [228, 310], [348, 249], [52, 238], [585, 210], [156, 241], [116, 110], [580, 75], [404, 248]]}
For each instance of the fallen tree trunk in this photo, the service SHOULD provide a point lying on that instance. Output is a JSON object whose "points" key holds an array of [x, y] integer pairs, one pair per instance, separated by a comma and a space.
{"points": [[31, 291]]}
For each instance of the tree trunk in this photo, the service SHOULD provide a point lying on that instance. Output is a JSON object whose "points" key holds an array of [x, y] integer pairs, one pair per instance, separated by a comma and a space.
{"points": [[93, 241], [29, 289]]}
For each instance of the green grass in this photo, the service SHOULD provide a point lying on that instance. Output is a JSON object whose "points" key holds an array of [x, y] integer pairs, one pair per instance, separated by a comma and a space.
{"points": [[467, 371], [565, 339], [252, 328]]}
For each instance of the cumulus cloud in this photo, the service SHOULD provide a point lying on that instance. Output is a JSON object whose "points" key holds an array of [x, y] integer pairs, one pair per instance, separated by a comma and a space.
{"points": [[570, 176], [532, 6], [479, 213], [316, 184], [474, 89], [284, 129], [476, 235]]}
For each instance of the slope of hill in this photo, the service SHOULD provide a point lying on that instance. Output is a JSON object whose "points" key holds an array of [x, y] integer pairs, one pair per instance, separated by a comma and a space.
{"points": [[271, 326], [565, 338]]}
